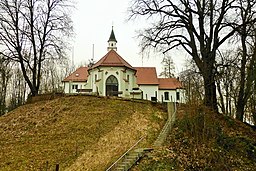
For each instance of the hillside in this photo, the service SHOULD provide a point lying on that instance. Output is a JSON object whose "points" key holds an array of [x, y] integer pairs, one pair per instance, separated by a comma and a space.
{"points": [[77, 132], [203, 140]]}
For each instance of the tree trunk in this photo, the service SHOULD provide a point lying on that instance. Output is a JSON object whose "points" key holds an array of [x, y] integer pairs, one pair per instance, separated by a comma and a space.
{"points": [[241, 100], [240, 110], [32, 87], [222, 104], [210, 99]]}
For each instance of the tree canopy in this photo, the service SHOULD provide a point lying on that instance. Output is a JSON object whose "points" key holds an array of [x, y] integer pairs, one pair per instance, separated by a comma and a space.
{"points": [[200, 27], [32, 32]]}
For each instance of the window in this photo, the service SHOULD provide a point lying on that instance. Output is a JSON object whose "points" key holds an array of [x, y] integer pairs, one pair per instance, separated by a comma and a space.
{"points": [[177, 95], [128, 77], [75, 86], [95, 77], [166, 95], [112, 80]]}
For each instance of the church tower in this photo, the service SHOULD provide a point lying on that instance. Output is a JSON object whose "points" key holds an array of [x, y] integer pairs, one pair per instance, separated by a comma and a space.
{"points": [[112, 41]]}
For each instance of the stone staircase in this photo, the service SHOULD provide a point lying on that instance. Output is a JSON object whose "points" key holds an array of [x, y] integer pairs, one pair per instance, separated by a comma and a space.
{"points": [[128, 159], [168, 125]]}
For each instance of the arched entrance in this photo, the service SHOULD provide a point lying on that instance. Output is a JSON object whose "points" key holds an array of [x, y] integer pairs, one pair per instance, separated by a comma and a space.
{"points": [[111, 86]]}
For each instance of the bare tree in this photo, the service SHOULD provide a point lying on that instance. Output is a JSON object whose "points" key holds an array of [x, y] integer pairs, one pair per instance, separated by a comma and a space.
{"points": [[247, 37], [52, 75], [168, 67], [200, 27], [193, 83], [252, 98], [227, 81], [17, 88], [4, 80], [33, 31]]}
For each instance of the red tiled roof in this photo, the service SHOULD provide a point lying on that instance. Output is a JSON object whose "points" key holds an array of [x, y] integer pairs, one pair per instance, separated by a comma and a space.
{"points": [[146, 75], [112, 59], [81, 74], [169, 83]]}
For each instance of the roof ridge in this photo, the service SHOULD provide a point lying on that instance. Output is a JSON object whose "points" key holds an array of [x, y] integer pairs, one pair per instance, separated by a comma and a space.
{"points": [[145, 67], [112, 58], [121, 58]]}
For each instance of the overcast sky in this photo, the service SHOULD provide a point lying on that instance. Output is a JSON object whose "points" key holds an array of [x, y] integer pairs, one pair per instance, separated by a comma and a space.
{"points": [[93, 22]]}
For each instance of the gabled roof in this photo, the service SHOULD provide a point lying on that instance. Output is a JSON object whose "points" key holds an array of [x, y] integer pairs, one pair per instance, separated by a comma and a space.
{"points": [[169, 83], [112, 59], [112, 36], [146, 76], [81, 74]]}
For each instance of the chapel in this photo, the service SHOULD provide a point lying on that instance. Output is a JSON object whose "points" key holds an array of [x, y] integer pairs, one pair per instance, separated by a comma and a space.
{"points": [[112, 75]]}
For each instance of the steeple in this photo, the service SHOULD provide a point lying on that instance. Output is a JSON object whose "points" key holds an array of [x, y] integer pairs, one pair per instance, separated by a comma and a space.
{"points": [[112, 41]]}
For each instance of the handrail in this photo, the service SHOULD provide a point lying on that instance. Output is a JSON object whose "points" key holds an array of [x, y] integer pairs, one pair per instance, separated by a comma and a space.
{"points": [[167, 126], [125, 153]]}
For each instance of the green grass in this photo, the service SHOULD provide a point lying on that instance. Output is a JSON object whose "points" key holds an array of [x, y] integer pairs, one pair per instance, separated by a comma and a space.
{"points": [[40, 135]]}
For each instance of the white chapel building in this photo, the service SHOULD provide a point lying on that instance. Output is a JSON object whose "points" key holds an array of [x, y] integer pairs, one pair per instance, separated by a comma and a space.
{"points": [[113, 76]]}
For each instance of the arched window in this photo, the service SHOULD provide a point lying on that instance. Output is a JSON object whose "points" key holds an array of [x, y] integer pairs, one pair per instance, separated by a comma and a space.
{"points": [[166, 95], [112, 80]]}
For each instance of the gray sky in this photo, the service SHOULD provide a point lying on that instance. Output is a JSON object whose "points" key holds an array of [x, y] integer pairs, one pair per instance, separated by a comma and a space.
{"points": [[93, 23]]}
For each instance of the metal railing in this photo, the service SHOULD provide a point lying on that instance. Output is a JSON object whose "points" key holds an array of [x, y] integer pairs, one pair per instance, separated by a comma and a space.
{"points": [[167, 127], [112, 166]]}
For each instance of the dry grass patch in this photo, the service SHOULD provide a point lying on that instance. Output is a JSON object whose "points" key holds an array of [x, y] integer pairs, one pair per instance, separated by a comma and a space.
{"points": [[37, 136], [203, 140]]}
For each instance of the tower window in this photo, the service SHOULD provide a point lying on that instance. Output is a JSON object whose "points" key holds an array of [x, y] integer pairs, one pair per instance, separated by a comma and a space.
{"points": [[112, 44]]}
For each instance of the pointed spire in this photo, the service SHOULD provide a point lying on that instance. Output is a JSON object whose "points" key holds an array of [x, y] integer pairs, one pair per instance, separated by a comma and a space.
{"points": [[112, 41], [112, 36]]}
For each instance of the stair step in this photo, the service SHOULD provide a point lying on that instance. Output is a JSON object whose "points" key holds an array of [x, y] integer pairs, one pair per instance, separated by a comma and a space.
{"points": [[132, 156], [130, 159], [119, 169]]}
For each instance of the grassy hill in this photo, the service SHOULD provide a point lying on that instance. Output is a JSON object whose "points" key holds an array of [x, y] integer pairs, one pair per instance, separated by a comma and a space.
{"points": [[77, 132], [203, 140]]}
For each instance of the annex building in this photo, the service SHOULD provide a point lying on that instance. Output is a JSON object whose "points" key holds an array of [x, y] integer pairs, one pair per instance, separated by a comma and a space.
{"points": [[113, 76]]}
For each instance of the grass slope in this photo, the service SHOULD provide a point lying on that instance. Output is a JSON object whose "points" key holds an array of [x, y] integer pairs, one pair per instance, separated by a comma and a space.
{"points": [[77, 132], [203, 140]]}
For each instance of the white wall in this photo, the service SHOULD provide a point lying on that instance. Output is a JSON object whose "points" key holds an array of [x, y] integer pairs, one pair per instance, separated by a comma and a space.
{"points": [[173, 96], [149, 91], [68, 86]]}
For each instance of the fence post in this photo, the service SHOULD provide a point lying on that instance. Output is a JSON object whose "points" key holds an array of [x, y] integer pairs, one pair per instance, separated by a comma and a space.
{"points": [[170, 109], [57, 167], [47, 165]]}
